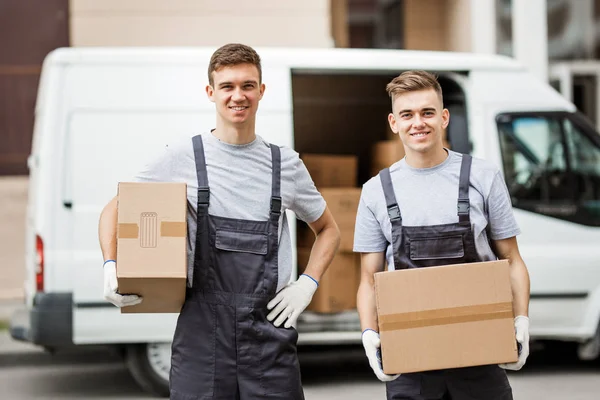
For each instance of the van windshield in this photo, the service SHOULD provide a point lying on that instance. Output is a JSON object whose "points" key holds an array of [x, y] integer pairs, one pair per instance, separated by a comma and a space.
{"points": [[551, 164]]}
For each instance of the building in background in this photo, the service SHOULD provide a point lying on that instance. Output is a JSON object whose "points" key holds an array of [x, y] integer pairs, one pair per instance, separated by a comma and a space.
{"points": [[29, 29]]}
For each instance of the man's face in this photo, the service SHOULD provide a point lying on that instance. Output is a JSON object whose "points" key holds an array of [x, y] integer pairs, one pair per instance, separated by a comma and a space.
{"points": [[236, 91], [418, 118]]}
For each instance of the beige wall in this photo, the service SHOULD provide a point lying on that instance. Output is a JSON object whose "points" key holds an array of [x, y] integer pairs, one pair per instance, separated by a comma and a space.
{"points": [[425, 25], [458, 25], [437, 25], [200, 22]]}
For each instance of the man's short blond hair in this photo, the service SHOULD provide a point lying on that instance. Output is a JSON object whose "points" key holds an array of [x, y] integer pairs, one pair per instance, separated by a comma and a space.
{"points": [[411, 81]]}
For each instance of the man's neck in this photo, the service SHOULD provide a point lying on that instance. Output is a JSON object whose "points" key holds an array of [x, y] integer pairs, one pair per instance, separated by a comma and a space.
{"points": [[428, 159], [235, 134]]}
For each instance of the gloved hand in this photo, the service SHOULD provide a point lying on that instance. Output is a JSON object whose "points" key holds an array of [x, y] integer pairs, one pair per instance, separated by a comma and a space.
{"points": [[372, 345], [111, 286], [522, 335], [292, 300]]}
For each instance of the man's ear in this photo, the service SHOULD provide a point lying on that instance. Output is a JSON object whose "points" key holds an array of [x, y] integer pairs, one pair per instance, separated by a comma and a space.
{"points": [[210, 93], [262, 89], [445, 118], [392, 122]]}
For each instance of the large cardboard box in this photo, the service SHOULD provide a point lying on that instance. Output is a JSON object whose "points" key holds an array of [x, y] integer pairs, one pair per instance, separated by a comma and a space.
{"points": [[329, 170], [384, 153], [151, 245], [445, 317], [343, 204], [338, 286]]}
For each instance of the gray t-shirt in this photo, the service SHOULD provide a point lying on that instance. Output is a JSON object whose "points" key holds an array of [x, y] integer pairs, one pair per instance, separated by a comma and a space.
{"points": [[240, 179], [428, 196]]}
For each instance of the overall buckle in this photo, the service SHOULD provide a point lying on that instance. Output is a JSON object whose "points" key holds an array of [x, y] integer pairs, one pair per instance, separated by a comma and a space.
{"points": [[203, 196], [276, 205], [394, 212], [463, 207]]}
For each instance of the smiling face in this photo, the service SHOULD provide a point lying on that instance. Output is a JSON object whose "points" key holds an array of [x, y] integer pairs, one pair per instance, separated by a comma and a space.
{"points": [[236, 91], [419, 119]]}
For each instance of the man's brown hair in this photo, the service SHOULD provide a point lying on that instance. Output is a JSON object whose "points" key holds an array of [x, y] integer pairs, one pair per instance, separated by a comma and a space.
{"points": [[411, 81], [233, 54]]}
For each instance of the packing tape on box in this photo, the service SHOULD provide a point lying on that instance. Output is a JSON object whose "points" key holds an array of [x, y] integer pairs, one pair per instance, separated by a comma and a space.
{"points": [[445, 316], [127, 231], [172, 229], [167, 229]]}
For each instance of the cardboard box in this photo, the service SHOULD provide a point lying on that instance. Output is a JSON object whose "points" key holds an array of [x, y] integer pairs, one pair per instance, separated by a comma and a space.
{"points": [[338, 286], [343, 204], [151, 245], [331, 170], [445, 317], [384, 153]]}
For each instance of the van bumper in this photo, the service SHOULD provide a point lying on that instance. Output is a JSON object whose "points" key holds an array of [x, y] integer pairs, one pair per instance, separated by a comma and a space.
{"points": [[48, 323]]}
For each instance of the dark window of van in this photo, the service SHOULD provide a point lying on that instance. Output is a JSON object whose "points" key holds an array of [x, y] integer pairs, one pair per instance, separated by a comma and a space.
{"points": [[551, 164]]}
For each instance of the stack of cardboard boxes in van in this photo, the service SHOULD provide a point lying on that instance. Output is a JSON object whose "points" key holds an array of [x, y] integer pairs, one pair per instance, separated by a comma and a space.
{"points": [[335, 176]]}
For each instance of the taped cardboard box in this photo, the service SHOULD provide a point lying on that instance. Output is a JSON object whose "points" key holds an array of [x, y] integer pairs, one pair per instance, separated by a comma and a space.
{"points": [[338, 286], [328, 170], [151, 245], [445, 317], [343, 204]]}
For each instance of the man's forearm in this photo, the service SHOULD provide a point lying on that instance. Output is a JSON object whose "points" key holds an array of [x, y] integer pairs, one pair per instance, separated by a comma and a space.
{"points": [[323, 251], [519, 279], [366, 305], [107, 230]]}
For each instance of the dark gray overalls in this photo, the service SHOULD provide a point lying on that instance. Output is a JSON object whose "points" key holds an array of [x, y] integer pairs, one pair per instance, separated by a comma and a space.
{"points": [[224, 347], [426, 246]]}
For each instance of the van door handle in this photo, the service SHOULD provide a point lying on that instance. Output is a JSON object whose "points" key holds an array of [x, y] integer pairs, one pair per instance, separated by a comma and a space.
{"points": [[68, 204]]}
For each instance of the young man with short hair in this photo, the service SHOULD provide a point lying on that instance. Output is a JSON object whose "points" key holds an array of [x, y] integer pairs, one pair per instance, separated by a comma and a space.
{"points": [[436, 193], [235, 336]]}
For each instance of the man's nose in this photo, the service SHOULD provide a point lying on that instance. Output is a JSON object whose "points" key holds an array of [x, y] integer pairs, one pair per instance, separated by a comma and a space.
{"points": [[238, 95], [417, 120]]}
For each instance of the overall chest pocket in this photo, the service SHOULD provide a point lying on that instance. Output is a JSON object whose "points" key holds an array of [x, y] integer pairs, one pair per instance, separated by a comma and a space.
{"points": [[242, 242], [446, 247]]}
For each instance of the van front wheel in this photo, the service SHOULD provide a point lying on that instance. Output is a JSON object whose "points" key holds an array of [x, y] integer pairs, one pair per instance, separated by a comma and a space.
{"points": [[149, 364]]}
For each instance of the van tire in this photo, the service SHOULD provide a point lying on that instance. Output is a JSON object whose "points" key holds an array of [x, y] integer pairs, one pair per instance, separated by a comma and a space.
{"points": [[138, 364]]}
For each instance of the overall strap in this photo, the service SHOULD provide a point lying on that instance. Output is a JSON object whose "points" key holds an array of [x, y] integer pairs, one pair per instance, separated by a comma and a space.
{"points": [[394, 213], [390, 198], [203, 190], [463, 191], [275, 210]]}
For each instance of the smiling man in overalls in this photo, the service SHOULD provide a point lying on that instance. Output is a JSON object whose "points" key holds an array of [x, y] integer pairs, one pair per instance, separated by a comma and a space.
{"points": [[235, 336], [454, 202]]}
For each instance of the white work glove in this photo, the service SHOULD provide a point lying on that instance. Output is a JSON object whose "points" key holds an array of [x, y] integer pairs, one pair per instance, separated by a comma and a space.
{"points": [[111, 286], [292, 300], [522, 335], [372, 345]]}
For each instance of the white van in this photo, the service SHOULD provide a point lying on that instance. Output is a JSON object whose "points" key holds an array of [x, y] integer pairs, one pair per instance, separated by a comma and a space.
{"points": [[101, 112]]}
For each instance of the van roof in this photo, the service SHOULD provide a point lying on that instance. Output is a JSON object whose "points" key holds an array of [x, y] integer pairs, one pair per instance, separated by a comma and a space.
{"points": [[295, 58]]}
